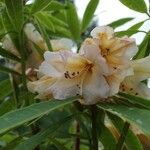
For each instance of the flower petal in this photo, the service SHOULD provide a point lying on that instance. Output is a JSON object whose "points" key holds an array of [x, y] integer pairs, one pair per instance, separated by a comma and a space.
{"points": [[41, 86], [104, 30], [61, 44], [94, 87]]}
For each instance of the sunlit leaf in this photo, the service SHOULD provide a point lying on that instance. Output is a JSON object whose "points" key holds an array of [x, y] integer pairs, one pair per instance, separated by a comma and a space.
{"points": [[120, 22], [15, 12], [136, 100], [73, 21], [39, 5], [131, 140], [137, 5], [139, 117], [89, 12]]}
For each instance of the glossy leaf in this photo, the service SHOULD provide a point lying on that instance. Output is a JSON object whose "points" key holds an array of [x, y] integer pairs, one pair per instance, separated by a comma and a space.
{"points": [[15, 12], [89, 13], [136, 100], [139, 117], [40, 5], [120, 22], [137, 5], [106, 138], [17, 117], [32, 142], [131, 140], [73, 21]]}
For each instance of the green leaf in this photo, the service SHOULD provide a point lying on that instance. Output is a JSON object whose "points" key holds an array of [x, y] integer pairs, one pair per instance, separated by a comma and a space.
{"points": [[120, 22], [58, 144], [32, 142], [5, 88], [9, 55], [6, 106], [45, 21], [44, 34], [17, 117], [15, 12], [8, 70], [131, 141], [139, 117], [137, 5], [136, 100], [137, 25], [126, 32], [144, 48], [107, 138], [73, 21], [54, 6], [88, 14], [40, 5]]}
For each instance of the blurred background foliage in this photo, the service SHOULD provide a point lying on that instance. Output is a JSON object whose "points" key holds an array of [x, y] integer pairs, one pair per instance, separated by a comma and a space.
{"points": [[27, 123]]}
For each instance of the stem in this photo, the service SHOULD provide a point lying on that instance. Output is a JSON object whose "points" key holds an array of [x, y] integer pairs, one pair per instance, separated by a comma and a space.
{"points": [[94, 127], [123, 136], [77, 142]]}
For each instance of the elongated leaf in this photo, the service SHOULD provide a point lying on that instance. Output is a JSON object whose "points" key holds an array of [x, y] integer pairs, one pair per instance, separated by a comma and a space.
{"points": [[32, 142], [120, 22], [136, 100], [137, 5], [23, 115], [107, 138], [136, 26], [144, 47], [9, 55], [54, 6], [89, 12], [44, 34], [126, 32], [45, 21], [139, 117], [6, 106], [131, 141], [39, 5], [58, 144], [5, 88], [15, 12], [73, 21]]}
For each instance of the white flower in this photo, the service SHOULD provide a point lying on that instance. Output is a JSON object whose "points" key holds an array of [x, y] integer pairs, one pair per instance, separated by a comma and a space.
{"points": [[132, 84], [57, 44], [64, 74], [117, 53], [8, 45], [34, 36], [61, 44]]}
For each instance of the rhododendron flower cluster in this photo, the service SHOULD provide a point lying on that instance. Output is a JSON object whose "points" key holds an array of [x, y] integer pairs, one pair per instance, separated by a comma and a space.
{"points": [[102, 67]]}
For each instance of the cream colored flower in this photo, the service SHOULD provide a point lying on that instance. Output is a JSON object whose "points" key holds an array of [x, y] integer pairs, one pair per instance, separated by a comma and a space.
{"points": [[132, 84], [57, 44], [117, 53], [8, 45], [64, 74], [61, 44], [34, 36]]}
